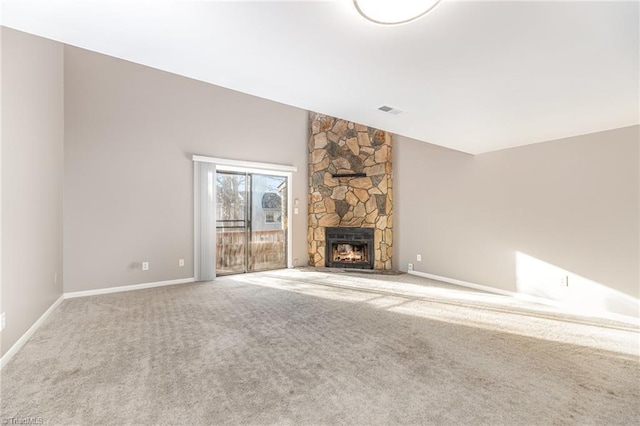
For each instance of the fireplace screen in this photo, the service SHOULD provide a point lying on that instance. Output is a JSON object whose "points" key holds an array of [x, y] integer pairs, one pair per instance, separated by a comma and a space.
{"points": [[349, 248]]}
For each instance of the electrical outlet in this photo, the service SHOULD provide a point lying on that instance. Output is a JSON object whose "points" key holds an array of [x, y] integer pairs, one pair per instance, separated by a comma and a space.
{"points": [[145, 266], [410, 267], [55, 278], [419, 258], [2, 321], [564, 280], [181, 262]]}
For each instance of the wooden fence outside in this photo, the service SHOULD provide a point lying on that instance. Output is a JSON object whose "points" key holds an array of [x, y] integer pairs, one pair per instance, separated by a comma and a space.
{"points": [[268, 249]]}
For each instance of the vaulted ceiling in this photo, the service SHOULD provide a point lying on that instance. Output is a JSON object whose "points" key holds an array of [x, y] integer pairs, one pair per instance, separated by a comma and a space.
{"points": [[473, 76]]}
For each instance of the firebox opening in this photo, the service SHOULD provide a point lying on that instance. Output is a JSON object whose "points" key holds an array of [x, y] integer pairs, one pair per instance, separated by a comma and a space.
{"points": [[350, 253], [349, 248]]}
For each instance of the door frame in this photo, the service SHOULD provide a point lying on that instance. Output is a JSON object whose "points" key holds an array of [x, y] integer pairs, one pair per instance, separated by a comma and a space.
{"points": [[228, 165]]}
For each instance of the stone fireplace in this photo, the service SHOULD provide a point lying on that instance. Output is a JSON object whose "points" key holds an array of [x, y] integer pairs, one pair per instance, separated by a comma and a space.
{"points": [[350, 195]]}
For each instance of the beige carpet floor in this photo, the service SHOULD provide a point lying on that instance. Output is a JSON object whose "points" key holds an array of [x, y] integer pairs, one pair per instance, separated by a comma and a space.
{"points": [[311, 347]]}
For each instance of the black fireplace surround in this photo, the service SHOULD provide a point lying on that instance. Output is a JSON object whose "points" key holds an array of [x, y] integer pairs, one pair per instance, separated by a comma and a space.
{"points": [[349, 248]]}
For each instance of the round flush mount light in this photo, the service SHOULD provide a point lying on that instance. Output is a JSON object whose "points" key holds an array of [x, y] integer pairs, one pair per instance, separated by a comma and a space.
{"points": [[390, 12]]}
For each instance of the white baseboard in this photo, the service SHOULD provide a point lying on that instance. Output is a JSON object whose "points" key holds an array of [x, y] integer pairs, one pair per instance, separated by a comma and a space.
{"points": [[526, 297], [488, 289], [22, 340], [462, 283], [108, 290]]}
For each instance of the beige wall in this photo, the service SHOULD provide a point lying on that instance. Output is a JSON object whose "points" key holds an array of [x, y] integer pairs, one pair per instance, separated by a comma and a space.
{"points": [[513, 219], [130, 133], [32, 161], [519, 219]]}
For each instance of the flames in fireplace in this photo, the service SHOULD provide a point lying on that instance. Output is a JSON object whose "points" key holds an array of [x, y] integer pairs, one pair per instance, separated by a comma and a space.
{"points": [[349, 253]]}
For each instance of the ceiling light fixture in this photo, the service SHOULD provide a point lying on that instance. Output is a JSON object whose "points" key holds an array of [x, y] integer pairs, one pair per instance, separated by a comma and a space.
{"points": [[390, 12]]}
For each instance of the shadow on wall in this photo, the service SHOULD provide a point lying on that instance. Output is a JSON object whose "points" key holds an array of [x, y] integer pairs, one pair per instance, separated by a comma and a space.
{"points": [[572, 292]]}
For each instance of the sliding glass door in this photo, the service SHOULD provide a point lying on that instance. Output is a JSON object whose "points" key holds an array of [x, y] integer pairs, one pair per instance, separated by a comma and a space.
{"points": [[251, 222], [232, 222], [268, 231]]}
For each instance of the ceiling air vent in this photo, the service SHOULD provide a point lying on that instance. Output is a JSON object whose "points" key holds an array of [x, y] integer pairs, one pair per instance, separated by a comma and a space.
{"points": [[390, 110]]}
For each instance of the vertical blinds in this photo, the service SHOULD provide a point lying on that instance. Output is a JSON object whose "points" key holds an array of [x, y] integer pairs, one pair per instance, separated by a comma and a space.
{"points": [[204, 221]]}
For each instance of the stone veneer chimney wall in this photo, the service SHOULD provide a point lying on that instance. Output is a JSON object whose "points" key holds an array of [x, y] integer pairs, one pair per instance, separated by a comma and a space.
{"points": [[342, 147]]}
